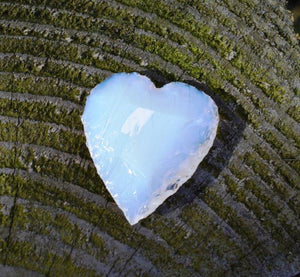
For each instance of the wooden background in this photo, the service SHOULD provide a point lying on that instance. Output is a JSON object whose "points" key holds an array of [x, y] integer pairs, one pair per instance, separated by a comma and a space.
{"points": [[237, 216]]}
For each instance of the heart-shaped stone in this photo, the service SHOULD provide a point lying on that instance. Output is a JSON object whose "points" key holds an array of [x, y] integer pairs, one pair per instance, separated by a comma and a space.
{"points": [[146, 142]]}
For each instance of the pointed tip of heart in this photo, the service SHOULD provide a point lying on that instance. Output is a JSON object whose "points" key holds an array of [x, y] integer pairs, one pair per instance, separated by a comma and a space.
{"points": [[146, 210]]}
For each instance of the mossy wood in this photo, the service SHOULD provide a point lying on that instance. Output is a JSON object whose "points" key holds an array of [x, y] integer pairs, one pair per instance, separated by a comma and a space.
{"points": [[237, 216]]}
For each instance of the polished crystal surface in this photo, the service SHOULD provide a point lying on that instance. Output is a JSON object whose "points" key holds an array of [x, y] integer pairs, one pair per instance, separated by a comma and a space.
{"points": [[146, 141]]}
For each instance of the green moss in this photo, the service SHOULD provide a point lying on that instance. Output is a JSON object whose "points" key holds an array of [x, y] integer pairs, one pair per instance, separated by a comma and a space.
{"points": [[69, 232], [168, 231], [73, 172], [241, 194], [4, 219], [284, 149], [289, 130], [49, 195], [87, 178], [206, 35], [208, 237], [45, 135], [99, 244], [39, 220], [40, 86], [293, 111], [50, 68], [96, 240], [40, 260], [218, 42], [264, 196], [229, 215], [239, 171], [187, 22], [276, 92], [281, 167], [7, 157], [55, 197], [136, 240], [208, 9], [264, 172], [20, 220], [41, 112]]}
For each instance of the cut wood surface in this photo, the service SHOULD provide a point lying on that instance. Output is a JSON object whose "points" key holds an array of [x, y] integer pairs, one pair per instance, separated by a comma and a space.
{"points": [[239, 213]]}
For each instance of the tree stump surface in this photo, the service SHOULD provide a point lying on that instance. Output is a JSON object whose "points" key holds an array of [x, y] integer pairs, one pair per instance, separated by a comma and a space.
{"points": [[239, 213]]}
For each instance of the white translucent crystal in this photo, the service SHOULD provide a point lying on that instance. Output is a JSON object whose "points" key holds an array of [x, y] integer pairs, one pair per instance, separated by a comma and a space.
{"points": [[146, 141]]}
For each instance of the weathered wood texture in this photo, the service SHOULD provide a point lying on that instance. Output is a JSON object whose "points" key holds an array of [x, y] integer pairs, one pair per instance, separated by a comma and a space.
{"points": [[238, 215]]}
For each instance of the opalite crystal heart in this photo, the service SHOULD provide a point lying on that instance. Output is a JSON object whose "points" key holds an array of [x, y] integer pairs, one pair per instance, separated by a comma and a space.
{"points": [[146, 142]]}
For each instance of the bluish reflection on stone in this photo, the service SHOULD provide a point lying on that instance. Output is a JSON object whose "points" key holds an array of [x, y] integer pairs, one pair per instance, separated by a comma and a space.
{"points": [[146, 142]]}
